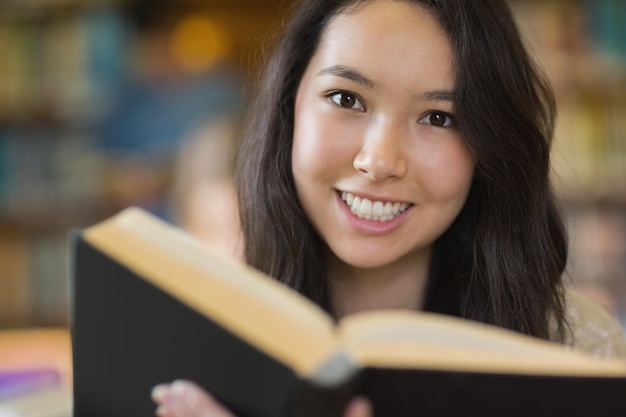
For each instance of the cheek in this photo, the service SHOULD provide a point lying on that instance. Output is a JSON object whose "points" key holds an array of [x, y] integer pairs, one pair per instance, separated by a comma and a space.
{"points": [[320, 146], [448, 171]]}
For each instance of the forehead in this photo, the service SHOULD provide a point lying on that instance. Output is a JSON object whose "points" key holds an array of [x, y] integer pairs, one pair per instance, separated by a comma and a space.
{"points": [[388, 33]]}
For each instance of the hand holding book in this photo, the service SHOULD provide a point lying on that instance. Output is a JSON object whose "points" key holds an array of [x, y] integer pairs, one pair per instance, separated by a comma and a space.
{"points": [[184, 398]]}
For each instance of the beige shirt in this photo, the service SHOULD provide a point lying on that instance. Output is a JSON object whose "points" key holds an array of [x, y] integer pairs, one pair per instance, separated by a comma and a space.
{"points": [[593, 329]]}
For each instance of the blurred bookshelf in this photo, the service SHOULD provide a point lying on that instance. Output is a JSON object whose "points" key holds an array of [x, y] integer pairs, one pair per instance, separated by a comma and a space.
{"points": [[52, 87], [66, 67], [66, 63], [582, 46]]}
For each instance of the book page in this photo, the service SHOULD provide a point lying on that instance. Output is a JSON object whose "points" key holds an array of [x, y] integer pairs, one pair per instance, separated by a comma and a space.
{"points": [[406, 339], [254, 307]]}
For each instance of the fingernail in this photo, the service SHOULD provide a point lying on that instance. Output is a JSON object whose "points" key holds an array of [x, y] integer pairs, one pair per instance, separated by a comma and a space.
{"points": [[178, 387], [159, 393], [184, 392]]}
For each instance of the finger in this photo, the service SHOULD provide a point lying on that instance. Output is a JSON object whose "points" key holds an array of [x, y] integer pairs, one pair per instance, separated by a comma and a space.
{"points": [[160, 393], [186, 399], [359, 407]]}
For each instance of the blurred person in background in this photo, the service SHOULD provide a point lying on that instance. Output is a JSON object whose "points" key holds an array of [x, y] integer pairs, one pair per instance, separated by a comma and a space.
{"points": [[179, 106]]}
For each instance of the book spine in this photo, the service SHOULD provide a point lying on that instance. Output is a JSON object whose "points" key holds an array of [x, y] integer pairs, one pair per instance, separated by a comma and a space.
{"points": [[315, 400]]}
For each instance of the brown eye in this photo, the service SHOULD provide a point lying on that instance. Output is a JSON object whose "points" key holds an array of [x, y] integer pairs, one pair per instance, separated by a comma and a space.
{"points": [[347, 100], [438, 119]]}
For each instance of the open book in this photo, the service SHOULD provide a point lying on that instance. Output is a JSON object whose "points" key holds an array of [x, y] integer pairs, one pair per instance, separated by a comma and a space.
{"points": [[152, 305]]}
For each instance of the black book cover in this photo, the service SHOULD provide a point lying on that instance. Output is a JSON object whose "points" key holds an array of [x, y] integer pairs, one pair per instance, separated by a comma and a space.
{"points": [[161, 339]]}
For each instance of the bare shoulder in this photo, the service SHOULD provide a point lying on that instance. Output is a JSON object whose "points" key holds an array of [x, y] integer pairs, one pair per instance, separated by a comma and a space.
{"points": [[593, 329]]}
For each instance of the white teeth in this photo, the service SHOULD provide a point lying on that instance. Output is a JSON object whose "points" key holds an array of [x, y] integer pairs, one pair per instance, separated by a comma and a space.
{"points": [[366, 207], [356, 203], [378, 210]]}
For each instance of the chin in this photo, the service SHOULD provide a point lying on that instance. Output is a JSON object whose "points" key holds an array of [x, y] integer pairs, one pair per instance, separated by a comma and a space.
{"points": [[365, 260]]}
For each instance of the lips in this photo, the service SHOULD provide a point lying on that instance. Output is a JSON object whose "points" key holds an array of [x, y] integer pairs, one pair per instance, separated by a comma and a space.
{"points": [[381, 211]]}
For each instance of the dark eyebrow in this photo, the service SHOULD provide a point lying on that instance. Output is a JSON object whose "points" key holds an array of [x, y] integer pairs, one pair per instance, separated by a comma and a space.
{"points": [[348, 73], [356, 76], [437, 95]]}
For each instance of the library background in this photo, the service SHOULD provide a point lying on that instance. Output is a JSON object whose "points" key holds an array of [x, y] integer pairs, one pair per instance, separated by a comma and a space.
{"points": [[111, 103]]}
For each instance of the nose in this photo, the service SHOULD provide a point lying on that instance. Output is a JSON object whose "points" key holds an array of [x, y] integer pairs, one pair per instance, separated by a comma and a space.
{"points": [[381, 157]]}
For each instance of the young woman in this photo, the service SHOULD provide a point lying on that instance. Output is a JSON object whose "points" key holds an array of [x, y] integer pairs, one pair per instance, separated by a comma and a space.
{"points": [[398, 157]]}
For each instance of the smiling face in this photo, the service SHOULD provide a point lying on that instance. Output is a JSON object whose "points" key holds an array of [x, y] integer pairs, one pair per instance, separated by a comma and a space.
{"points": [[379, 166]]}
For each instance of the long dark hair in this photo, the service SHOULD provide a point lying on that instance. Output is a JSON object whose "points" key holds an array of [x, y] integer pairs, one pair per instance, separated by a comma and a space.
{"points": [[502, 259]]}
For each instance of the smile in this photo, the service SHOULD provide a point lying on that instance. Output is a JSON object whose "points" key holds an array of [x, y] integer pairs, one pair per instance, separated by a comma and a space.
{"points": [[380, 211]]}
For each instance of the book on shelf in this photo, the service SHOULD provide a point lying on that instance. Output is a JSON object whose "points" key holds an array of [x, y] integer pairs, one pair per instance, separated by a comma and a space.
{"points": [[152, 305]]}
